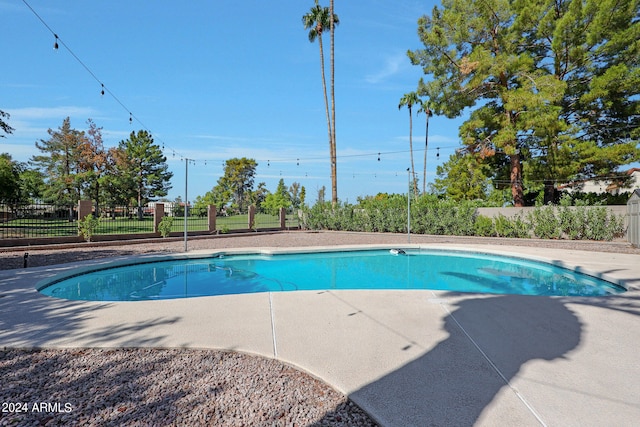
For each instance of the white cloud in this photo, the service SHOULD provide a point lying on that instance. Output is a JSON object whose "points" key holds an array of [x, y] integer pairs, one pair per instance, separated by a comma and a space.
{"points": [[392, 65], [37, 113]]}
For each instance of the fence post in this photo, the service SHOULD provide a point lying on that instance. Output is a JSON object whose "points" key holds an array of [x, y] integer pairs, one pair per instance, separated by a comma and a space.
{"points": [[158, 213], [252, 217], [211, 213], [283, 218], [84, 209]]}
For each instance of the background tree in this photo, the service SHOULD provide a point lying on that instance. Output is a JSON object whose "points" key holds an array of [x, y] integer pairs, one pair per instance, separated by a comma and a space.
{"points": [[259, 195], [144, 164], [303, 196], [279, 199], [294, 195], [593, 48], [317, 20], [117, 184], [32, 185], [543, 74], [61, 163], [10, 170], [461, 178], [4, 126], [93, 163], [410, 99], [236, 185]]}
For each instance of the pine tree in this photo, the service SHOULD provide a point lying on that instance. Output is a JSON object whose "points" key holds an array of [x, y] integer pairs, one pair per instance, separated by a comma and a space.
{"points": [[61, 162], [145, 166], [552, 85]]}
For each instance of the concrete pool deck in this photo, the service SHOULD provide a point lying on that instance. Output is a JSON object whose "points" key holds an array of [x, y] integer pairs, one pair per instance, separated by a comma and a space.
{"points": [[406, 357]]}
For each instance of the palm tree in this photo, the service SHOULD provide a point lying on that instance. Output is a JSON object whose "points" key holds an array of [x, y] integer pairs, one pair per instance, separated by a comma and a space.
{"points": [[425, 107], [316, 21], [333, 21], [410, 99]]}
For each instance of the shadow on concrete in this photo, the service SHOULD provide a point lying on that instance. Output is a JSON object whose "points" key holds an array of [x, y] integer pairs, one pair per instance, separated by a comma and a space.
{"points": [[29, 319], [490, 339]]}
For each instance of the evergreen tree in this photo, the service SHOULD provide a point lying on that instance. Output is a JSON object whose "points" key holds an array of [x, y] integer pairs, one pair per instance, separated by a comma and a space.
{"points": [[236, 185], [145, 166], [552, 85], [62, 165], [461, 178], [4, 126]]}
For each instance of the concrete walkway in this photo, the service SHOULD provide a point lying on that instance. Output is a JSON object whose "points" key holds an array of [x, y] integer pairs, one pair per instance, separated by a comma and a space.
{"points": [[409, 358]]}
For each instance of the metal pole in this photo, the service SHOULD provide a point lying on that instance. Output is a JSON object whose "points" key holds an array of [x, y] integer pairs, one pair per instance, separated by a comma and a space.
{"points": [[409, 207], [186, 187]]}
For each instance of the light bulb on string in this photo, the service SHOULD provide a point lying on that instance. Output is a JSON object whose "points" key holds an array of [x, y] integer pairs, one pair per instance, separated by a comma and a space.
{"points": [[130, 118], [55, 43], [102, 91], [297, 162], [268, 164], [438, 153], [378, 156]]}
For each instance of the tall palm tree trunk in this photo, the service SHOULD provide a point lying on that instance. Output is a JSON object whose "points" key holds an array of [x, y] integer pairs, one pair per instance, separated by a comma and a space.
{"points": [[426, 145], [334, 172], [413, 170], [329, 127]]}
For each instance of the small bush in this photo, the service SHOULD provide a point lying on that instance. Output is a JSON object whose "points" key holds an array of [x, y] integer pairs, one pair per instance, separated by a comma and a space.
{"points": [[544, 223], [602, 226], [484, 227], [87, 226], [511, 227], [164, 228]]}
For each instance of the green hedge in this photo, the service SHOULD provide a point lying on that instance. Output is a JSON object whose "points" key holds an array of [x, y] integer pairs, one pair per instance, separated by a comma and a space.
{"points": [[430, 215]]}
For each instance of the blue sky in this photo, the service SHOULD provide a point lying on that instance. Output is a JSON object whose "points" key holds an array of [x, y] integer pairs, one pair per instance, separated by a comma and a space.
{"points": [[216, 80]]}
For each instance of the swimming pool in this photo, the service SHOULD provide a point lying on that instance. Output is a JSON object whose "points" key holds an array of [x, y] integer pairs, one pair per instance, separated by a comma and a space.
{"points": [[221, 274]]}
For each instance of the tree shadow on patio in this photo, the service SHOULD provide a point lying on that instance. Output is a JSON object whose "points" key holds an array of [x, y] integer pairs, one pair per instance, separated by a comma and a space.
{"points": [[490, 339]]}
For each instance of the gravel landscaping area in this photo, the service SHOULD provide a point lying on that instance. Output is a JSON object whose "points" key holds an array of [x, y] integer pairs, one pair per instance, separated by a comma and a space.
{"points": [[158, 387], [164, 387]]}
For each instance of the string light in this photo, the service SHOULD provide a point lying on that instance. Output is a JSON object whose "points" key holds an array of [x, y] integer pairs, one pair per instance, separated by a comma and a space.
{"points": [[103, 90]]}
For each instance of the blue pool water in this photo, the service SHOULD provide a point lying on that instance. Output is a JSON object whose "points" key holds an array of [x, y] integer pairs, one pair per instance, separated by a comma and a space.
{"points": [[369, 269]]}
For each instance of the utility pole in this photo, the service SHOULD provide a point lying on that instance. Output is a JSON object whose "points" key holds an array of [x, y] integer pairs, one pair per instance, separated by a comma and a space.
{"points": [[186, 188], [409, 206]]}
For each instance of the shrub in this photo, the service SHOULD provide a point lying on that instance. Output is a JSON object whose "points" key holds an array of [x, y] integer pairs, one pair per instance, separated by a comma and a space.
{"points": [[164, 228], [511, 227], [544, 223], [484, 227], [602, 226], [87, 226]]}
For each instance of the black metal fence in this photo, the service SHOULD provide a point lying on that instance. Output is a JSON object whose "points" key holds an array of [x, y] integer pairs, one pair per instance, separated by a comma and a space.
{"points": [[37, 220]]}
